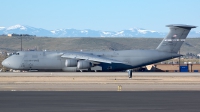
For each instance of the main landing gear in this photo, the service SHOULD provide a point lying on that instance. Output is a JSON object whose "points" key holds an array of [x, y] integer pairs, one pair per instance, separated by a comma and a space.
{"points": [[129, 74]]}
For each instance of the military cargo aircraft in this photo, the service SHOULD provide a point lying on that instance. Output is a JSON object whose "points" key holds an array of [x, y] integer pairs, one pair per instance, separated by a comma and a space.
{"points": [[104, 61]]}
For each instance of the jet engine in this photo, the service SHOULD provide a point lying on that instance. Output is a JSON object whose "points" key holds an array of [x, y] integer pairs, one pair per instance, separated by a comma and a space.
{"points": [[70, 62], [84, 64]]}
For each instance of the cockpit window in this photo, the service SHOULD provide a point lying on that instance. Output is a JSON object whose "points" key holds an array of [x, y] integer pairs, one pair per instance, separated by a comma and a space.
{"points": [[15, 53]]}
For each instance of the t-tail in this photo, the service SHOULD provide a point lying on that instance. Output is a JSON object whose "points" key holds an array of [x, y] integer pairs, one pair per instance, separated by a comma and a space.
{"points": [[175, 38]]}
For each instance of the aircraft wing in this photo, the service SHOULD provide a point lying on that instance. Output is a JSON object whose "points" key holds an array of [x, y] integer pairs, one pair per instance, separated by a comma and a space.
{"points": [[90, 57]]}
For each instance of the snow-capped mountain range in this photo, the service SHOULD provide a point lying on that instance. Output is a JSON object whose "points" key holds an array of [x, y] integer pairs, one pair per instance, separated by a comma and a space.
{"points": [[132, 32]]}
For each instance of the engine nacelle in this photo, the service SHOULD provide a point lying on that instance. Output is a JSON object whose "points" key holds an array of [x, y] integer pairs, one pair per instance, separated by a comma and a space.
{"points": [[71, 63], [84, 64]]}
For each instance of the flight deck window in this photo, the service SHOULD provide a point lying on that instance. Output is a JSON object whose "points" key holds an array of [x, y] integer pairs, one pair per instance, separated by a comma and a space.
{"points": [[15, 54]]}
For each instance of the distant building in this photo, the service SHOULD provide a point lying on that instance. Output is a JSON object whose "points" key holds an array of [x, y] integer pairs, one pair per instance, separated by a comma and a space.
{"points": [[9, 35]]}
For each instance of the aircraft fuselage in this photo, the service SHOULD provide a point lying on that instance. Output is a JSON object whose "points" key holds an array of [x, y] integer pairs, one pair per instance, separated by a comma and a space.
{"points": [[52, 60]]}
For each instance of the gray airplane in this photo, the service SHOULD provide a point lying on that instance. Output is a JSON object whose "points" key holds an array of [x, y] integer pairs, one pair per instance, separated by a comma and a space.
{"points": [[100, 61]]}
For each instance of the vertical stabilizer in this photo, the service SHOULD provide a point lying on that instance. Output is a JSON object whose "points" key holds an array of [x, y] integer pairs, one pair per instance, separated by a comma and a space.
{"points": [[175, 38]]}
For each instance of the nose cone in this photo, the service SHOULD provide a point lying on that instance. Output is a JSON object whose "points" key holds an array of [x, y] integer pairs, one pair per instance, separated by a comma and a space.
{"points": [[5, 63], [12, 62]]}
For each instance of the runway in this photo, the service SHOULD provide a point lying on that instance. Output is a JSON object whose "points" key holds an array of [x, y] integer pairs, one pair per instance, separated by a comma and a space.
{"points": [[94, 92], [153, 101], [117, 81]]}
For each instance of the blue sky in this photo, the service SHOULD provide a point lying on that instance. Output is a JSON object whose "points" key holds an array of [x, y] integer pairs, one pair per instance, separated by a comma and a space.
{"points": [[111, 15]]}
